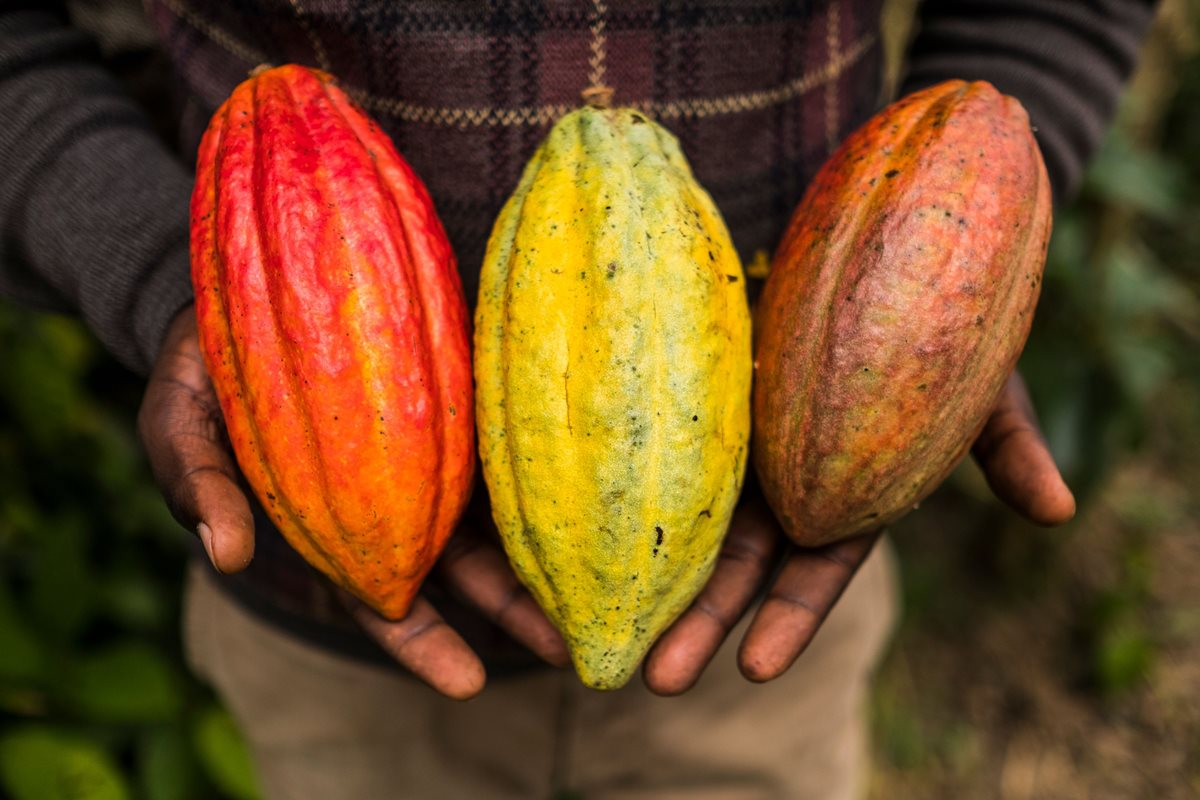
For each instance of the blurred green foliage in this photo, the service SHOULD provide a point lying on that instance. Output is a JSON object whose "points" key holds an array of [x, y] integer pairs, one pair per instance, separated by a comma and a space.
{"points": [[1063, 664], [95, 701], [1116, 343]]}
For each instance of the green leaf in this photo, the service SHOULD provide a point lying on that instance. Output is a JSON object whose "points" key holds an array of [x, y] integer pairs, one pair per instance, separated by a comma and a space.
{"points": [[43, 371], [1138, 286], [1141, 365], [1135, 178], [1066, 261], [1124, 657], [132, 596], [167, 766], [224, 754], [23, 657], [129, 682], [38, 763], [61, 600]]}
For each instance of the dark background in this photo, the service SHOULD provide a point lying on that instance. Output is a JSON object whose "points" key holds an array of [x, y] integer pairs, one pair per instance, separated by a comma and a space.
{"points": [[1029, 664]]}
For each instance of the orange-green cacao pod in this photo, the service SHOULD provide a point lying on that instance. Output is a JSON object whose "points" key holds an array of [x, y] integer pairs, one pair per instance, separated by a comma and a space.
{"points": [[613, 365], [896, 307], [334, 328]]}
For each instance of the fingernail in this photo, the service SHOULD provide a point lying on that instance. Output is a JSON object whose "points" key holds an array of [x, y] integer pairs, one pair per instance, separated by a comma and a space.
{"points": [[206, 538]]}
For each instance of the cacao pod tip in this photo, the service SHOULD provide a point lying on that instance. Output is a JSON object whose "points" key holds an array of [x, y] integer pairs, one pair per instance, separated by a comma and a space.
{"points": [[598, 95]]}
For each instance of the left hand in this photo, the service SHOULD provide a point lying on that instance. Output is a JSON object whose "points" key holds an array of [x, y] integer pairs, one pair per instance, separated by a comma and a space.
{"points": [[1019, 469]]}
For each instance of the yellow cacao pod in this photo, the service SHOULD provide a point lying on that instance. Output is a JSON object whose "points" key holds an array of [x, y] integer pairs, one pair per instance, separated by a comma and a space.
{"points": [[613, 368]]}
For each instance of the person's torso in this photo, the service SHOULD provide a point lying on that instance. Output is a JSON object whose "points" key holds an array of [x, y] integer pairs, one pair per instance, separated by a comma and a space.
{"points": [[758, 93]]}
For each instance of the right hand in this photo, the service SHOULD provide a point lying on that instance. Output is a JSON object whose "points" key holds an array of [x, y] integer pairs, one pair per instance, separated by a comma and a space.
{"points": [[805, 583], [183, 433]]}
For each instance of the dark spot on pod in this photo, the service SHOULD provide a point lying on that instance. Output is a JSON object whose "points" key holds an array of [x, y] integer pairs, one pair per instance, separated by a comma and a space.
{"points": [[659, 533], [705, 513], [638, 119], [695, 418], [891, 173], [731, 278], [271, 497], [922, 387], [654, 551], [978, 320], [612, 268], [453, 410], [711, 257]]}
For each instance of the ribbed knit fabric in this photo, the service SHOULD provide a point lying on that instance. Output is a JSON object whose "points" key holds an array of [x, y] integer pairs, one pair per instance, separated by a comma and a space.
{"points": [[93, 206], [1065, 60]]}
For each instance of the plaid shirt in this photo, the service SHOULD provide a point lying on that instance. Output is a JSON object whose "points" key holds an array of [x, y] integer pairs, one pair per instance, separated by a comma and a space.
{"points": [[758, 93]]}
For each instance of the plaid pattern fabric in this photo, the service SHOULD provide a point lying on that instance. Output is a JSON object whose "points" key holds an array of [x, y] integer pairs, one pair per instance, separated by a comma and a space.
{"points": [[758, 92]]}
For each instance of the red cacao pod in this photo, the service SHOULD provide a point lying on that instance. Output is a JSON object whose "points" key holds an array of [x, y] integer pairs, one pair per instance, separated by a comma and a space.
{"points": [[333, 325], [896, 307]]}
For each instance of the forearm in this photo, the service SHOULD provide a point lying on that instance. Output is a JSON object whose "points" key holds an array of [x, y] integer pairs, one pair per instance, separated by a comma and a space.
{"points": [[93, 207], [1065, 60]]}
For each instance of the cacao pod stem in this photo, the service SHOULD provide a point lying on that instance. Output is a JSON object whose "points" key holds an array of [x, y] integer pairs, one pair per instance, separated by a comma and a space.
{"points": [[598, 95]]}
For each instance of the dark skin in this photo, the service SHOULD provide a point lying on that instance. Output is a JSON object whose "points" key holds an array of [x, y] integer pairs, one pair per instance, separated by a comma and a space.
{"points": [[181, 428]]}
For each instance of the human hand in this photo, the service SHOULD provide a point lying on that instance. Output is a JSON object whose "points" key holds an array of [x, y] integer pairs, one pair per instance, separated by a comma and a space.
{"points": [[1019, 469], [182, 431]]}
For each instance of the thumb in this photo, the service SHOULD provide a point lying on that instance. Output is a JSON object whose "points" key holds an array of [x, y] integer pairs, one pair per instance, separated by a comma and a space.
{"points": [[181, 430], [1013, 455]]}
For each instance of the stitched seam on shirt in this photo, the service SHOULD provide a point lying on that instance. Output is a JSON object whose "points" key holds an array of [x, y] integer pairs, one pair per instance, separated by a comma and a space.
{"points": [[317, 45], [833, 39], [599, 43], [218, 34], [481, 116]]}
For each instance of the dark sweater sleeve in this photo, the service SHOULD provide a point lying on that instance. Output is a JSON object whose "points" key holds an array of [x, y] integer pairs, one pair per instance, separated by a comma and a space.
{"points": [[1065, 60], [93, 206]]}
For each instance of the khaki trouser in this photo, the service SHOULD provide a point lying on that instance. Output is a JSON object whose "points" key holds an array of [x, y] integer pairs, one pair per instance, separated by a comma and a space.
{"points": [[328, 727]]}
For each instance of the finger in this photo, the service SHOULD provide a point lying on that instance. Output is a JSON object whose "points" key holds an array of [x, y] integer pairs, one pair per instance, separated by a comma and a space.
{"points": [[425, 645], [680, 656], [479, 571], [1018, 465], [798, 602], [180, 426]]}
